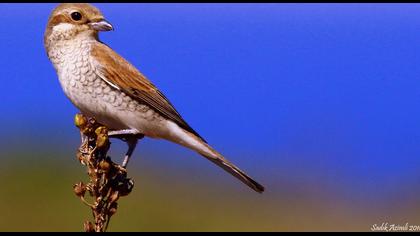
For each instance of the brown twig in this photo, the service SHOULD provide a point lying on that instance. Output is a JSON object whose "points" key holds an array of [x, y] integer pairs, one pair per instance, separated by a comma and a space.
{"points": [[107, 180]]}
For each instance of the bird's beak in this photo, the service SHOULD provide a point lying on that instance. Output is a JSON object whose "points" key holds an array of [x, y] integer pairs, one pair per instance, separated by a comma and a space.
{"points": [[101, 25]]}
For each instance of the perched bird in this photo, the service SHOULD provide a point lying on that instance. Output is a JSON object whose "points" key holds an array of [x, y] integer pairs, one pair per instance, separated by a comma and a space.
{"points": [[103, 85]]}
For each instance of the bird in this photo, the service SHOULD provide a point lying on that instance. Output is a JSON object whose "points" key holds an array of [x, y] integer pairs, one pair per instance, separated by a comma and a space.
{"points": [[105, 86]]}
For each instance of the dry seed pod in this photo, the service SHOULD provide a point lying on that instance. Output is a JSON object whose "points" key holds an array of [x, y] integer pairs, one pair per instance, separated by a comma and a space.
{"points": [[113, 208], [102, 140], [114, 197], [88, 226], [126, 187], [101, 130], [79, 189], [80, 121], [86, 130], [92, 173], [105, 166], [80, 157]]}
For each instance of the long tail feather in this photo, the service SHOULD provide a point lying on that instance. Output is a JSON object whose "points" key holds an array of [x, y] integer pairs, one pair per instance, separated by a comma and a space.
{"points": [[190, 140], [235, 171]]}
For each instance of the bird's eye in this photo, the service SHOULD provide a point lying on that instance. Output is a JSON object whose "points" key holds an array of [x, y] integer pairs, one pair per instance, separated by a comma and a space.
{"points": [[76, 16]]}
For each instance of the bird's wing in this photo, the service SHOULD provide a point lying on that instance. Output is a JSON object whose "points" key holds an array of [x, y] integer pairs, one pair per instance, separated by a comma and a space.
{"points": [[121, 75]]}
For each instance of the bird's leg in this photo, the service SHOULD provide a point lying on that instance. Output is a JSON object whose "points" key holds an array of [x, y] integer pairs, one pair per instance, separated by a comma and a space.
{"points": [[130, 136], [122, 133], [132, 143]]}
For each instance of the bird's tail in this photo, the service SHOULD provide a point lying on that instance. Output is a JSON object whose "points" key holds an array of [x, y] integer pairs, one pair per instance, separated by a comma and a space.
{"points": [[190, 140], [235, 171]]}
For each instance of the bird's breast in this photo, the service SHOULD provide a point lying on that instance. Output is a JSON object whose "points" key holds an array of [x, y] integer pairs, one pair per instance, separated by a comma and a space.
{"points": [[76, 75], [94, 97]]}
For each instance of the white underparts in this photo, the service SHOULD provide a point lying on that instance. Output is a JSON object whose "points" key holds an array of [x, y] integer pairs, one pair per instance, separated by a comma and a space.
{"points": [[63, 27], [187, 139]]}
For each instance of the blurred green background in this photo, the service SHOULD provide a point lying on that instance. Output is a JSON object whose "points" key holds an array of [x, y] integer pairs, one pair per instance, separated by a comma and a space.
{"points": [[318, 102], [36, 195]]}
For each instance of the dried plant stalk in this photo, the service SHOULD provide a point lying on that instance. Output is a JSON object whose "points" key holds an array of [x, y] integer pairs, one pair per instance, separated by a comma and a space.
{"points": [[107, 180]]}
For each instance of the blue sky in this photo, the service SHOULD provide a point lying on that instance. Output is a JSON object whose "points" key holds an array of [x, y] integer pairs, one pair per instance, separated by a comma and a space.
{"points": [[325, 95]]}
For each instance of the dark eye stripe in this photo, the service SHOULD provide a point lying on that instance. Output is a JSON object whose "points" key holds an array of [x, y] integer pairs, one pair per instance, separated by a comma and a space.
{"points": [[76, 16]]}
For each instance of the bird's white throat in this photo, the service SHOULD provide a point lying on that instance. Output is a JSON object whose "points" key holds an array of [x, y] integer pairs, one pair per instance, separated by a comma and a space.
{"points": [[62, 27]]}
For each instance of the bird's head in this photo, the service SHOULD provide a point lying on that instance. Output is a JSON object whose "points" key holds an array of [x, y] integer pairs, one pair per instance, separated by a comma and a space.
{"points": [[70, 20]]}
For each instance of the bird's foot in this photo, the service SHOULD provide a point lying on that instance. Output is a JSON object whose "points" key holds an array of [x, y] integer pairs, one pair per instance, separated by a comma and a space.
{"points": [[130, 136]]}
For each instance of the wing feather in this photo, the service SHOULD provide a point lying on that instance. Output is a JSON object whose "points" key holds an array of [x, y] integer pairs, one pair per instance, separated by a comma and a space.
{"points": [[120, 74]]}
